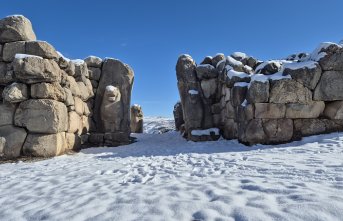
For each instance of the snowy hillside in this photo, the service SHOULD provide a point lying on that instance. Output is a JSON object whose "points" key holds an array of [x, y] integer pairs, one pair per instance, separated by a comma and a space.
{"points": [[158, 125], [164, 177]]}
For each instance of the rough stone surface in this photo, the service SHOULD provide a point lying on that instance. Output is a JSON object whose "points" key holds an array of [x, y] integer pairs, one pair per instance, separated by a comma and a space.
{"points": [[42, 116], [94, 73], [48, 91], [311, 110], [93, 61], [308, 127], [334, 110], [16, 28], [74, 122], [15, 92], [217, 58], [32, 70], [289, 91], [96, 138], [78, 105], [73, 141], [269, 110], [178, 115], [278, 130], [136, 119], [11, 49], [111, 109], [206, 71], [45, 145], [6, 114], [333, 58], [41, 48], [258, 92], [238, 95], [6, 77], [330, 86], [14, 140], [209, 87]]}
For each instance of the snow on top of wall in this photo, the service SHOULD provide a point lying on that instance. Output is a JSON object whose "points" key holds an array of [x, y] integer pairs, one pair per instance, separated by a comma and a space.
{"points": [[15, 16], [233, 61], [193, 92], [206, 66], [21, 56], [240, 54], [78, 61], [300, 65], [318, 53], [220, 62], [261, 66], [265, 78], [205, 132], [232, 73], [341, 42], [241, 84], [61, 55]]}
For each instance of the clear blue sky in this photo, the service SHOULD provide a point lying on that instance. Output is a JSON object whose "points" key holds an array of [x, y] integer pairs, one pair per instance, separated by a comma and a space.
{"points": [[150, 35]]}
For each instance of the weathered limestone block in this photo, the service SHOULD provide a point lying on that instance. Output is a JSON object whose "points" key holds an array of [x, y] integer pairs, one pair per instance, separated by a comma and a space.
{"points": [[278, 130], [207, 60], [70, 69], [74, 122], [238, 94], [311, 110], [235, 64], [14, 140], [269, 110], [307, 73], [206, 71], [253, 132], [289, 91], [41, 48], [73, 141], [16, 28], [93, 61], [48, 91], [120, 75], [85, 92], [32, 69], [6, 114], [42, 116], [78, 106], [216, 59], [94, 73], [307, 127], [330, 87], [112, 109], [45, 145], [178, 115], [258, 92], [209, 87], [73, 86], [334, 110], [245, 113], [6, 77], [69, 99], [15, 92], [85, 122], [11, 49], [81, 69], [234, 77], [331, 57], [229, 130], [228, 111], [136, 119]]}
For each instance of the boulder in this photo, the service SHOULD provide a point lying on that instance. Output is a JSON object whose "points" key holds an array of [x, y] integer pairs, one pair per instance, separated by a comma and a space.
{"points": [[81, 69], [278, 130], [11, 49], [236, 65], [216, 59], [32, 69], [289, 91], [7, 113], [330, 87], [253, 132], [206, 71], [207, 60], [94, 73], [73, 141], [238, 94], [93, 61], [252, 62], [85, 92], [70, 69], [234, 77], [42, 49], [329, 56], [73, 86], [15, 92], [136, 123], [209, 87], [74, 122], [48, 91], [269, 110], [16, 28], [258, 92], [268, 67], [14, 139], [6, 77], [45, 145], [334, 110], [69, 99], [245, 113], [78, 106], [42, 116], [311, 110], [307, 73], [178, 115]]}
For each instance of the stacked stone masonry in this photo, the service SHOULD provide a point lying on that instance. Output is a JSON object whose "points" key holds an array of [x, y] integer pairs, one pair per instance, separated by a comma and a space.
{"points": [[270, 102], [51, 104]]}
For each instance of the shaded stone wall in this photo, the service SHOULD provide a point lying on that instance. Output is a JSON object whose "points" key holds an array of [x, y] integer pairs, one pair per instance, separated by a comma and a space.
{"points": [[50, 104], [275, 101]]}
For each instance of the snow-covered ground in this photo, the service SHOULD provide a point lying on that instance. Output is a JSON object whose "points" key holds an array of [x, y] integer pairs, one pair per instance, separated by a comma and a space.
{"points": [[158, 125], [164, 177]]}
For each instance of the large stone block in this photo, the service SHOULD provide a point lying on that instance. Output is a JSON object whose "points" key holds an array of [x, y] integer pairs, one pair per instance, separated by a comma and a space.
{"points": [[278, 130], [14, 139], [16, 92], [206, 71], [307, 73], [330, 87], [73, 141], [16, 28], [258, 92], [307, 127], [229, 130], [42, 116], [45, 145], [330, 57], [79, 105], [253, 132], [238, 95], [245, 113], [93, 61], [41, 48], [48, 91], [310, 110], [6, 77], [6, 114], [11, 49], [289, 91], [74, 122], [94, 73], [32, 69], [269, 110], [334, 110]]}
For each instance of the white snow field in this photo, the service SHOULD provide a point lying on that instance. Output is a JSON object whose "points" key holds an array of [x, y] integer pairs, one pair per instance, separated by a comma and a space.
{"points": [[164, 177]]}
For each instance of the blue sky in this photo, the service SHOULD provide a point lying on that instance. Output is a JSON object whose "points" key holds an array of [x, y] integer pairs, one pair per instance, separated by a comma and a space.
{"points": [[150, 35]]}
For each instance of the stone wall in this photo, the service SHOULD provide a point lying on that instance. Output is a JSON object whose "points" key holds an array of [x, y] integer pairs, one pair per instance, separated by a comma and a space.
{"points": [[275, 101], [50, 104]]}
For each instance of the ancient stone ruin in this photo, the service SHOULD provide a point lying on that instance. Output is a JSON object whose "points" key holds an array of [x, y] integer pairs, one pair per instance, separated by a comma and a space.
{"points": [[270, 102], [136, 119], [51, 104]]}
